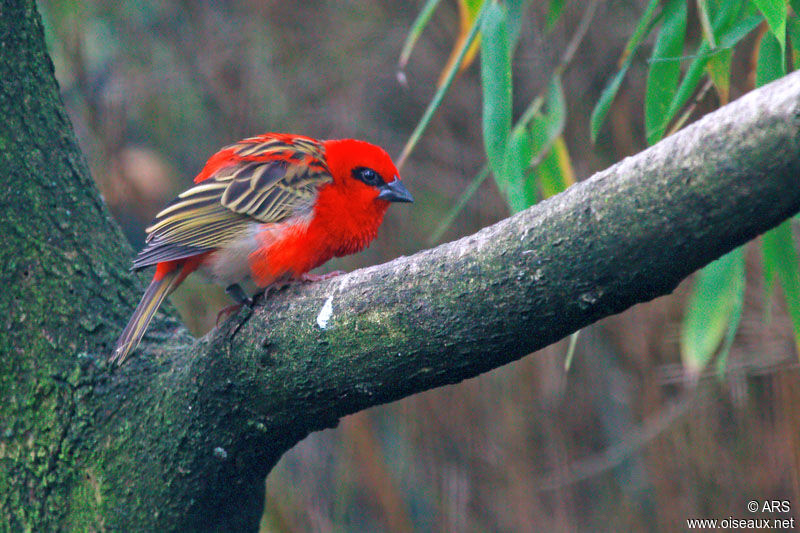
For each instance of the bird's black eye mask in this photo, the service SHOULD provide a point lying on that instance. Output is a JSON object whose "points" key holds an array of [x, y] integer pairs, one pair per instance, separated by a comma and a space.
{"points": [[368, 176]]}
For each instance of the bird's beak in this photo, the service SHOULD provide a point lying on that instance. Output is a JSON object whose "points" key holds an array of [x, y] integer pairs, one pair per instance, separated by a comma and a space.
{"points": [[395, 191]]}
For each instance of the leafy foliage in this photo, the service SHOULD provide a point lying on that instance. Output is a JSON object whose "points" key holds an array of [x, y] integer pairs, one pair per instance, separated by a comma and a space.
{"points": [[714, 307], [529, 159]]}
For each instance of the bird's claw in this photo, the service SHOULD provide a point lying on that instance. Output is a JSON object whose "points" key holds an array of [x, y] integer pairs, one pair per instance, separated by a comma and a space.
{"points": [[228, 311]]}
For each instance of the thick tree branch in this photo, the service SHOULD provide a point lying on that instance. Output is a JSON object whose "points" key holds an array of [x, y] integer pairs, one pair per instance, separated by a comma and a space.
{"points": [[627, 235], [182, 437], [314, 353]]}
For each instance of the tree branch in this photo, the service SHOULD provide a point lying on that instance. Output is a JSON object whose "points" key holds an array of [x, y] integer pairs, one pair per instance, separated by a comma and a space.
{"points": [[314, 353], [625, 236], [182, 436]]}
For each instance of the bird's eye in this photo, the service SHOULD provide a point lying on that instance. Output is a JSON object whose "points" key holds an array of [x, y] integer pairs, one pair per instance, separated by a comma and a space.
{"points": [[368, 176]]}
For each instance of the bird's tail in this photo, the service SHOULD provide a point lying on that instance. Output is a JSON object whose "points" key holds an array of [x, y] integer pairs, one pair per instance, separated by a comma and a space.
{"points": [[152, 299]]}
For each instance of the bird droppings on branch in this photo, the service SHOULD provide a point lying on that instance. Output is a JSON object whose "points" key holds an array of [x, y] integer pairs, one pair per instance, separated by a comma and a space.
{"points": [[325, 313]]}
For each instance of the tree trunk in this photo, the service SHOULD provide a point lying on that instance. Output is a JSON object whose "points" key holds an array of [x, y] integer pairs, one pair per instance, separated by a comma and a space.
{"points": [[182, 436]]}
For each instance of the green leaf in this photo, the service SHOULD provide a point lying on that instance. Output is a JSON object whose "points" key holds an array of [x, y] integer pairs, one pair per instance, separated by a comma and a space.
{"points": [[723, 14], [733, 325], [517, 158], [607, 98], [496, 83], [554, 174], [642, 29], [554, 10], [793, 29], [573, 341], [600, 110], [719, 71], [705, 23], [728, 38], [552, 168], [779, 252], [416, 30], [710, 309], [545, 129], [775, 12], [771, 65], [556, 107], [516, 10], [731, 36], [689, 83], [473, 6], [665, 69]]}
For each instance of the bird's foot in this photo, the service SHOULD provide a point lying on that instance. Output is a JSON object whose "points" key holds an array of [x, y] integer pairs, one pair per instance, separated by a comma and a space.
{"points": [[228, 311], [238, 294]]}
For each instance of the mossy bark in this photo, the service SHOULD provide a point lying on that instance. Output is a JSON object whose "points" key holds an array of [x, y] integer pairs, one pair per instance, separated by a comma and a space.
{"points": [[64, 286], [182, 436]]}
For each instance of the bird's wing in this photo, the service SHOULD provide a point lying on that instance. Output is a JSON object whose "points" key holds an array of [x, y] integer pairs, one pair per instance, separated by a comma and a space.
{"points": [[263, 179]]}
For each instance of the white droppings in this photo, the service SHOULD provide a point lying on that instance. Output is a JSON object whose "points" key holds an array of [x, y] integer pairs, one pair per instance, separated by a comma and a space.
{"points": [[325, 313]]}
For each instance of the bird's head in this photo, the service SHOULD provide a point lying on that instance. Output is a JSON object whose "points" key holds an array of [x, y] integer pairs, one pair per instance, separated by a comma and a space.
{"points": [[365, 172]]}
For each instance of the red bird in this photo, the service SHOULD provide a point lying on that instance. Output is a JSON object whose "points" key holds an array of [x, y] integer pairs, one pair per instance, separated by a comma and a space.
{"points": [[266, 209]]}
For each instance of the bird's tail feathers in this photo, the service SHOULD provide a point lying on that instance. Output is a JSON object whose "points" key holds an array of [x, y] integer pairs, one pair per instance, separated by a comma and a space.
{"points": [[152, 299]]}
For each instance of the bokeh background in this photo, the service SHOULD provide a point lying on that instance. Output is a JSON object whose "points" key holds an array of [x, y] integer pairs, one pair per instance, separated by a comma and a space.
{"points": [[623, 441]]}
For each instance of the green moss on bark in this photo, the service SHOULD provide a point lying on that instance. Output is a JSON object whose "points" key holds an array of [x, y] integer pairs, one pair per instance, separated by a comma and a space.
{"points": [[65, 288]]}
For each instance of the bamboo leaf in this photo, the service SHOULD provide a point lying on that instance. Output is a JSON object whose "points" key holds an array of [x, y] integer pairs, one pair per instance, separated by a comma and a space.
{"points": [[793, 30], [728, 38], [770, 65], [643, 28], [556, 107], [738, 31], [545, 129], [665, 69], [554, 10], [718, 69], [516, 10], [710, 309], [496, 83], [416, 30], [778, 247], [705, 23], [517, 158], [775, 12], [554, 174], [603, 105], [552, 169], [733, 324]]}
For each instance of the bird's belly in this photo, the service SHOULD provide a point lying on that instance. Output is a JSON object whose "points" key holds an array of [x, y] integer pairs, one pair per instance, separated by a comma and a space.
{"points": [[230, 263]]}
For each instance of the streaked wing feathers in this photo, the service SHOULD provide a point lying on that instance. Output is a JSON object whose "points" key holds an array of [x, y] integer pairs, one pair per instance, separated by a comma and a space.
{"points": [[272, 192], [270, 179]]}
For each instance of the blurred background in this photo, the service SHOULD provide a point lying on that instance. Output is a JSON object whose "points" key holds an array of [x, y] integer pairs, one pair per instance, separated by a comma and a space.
{"points": [[623, 441]]}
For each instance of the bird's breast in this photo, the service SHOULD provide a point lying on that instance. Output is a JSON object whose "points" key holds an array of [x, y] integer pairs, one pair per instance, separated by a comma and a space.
{"points": [[288, 249], [292, 249]]}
